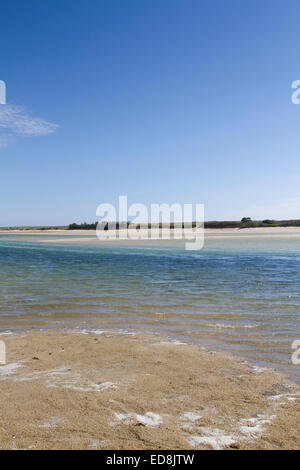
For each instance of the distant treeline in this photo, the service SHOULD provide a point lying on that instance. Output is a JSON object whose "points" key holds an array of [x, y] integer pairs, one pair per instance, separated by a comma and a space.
{"points": [[246, 222], [124, 225]]}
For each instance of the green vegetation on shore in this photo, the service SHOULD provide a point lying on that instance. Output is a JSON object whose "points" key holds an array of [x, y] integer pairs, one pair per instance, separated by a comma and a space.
{"points": [[246, 222]]}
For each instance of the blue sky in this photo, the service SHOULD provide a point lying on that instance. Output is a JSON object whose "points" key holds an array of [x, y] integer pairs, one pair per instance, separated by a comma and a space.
{"points": [[162, 100]]}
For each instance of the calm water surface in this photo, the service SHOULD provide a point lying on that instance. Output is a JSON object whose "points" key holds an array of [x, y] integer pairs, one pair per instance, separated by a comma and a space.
{"points": [[238, 293]]}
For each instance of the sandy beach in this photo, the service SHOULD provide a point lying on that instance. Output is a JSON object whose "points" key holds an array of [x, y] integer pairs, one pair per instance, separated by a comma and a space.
{"points": [[164, 238], [92, 389]]}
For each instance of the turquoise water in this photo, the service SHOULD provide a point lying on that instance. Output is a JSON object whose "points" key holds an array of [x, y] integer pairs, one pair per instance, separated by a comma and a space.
{"points": [[238, 293]]}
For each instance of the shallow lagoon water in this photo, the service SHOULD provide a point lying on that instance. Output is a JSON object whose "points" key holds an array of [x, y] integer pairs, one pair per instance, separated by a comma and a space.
{"points": [[240, 293]]}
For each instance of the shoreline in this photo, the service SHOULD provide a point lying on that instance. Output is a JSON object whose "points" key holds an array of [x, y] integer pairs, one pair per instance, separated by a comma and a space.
{"points": [[249, 230], [215, 333], [120, 389], [89, 236], [23, 327], [106, 389]]}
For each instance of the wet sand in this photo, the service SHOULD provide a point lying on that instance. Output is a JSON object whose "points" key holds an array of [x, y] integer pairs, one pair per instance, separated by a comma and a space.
{"points": [[90, 389]]}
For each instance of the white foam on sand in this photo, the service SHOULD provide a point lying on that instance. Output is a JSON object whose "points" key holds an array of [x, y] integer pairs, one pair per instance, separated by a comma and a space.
{"points": [[247, 429], [148, 419], [64, 377], [91, 387], [125, 417], [214, 438], [170, 343], [231, 327], [260, 370], [190, 416], [97, 445], [8, 369], [47, 374], [255, 427], [95, 332], [51, 423], [109, 333], [282, 399]]}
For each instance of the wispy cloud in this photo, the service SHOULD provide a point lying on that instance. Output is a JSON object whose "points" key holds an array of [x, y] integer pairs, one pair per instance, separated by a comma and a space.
{"points": [[15, 121]]}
